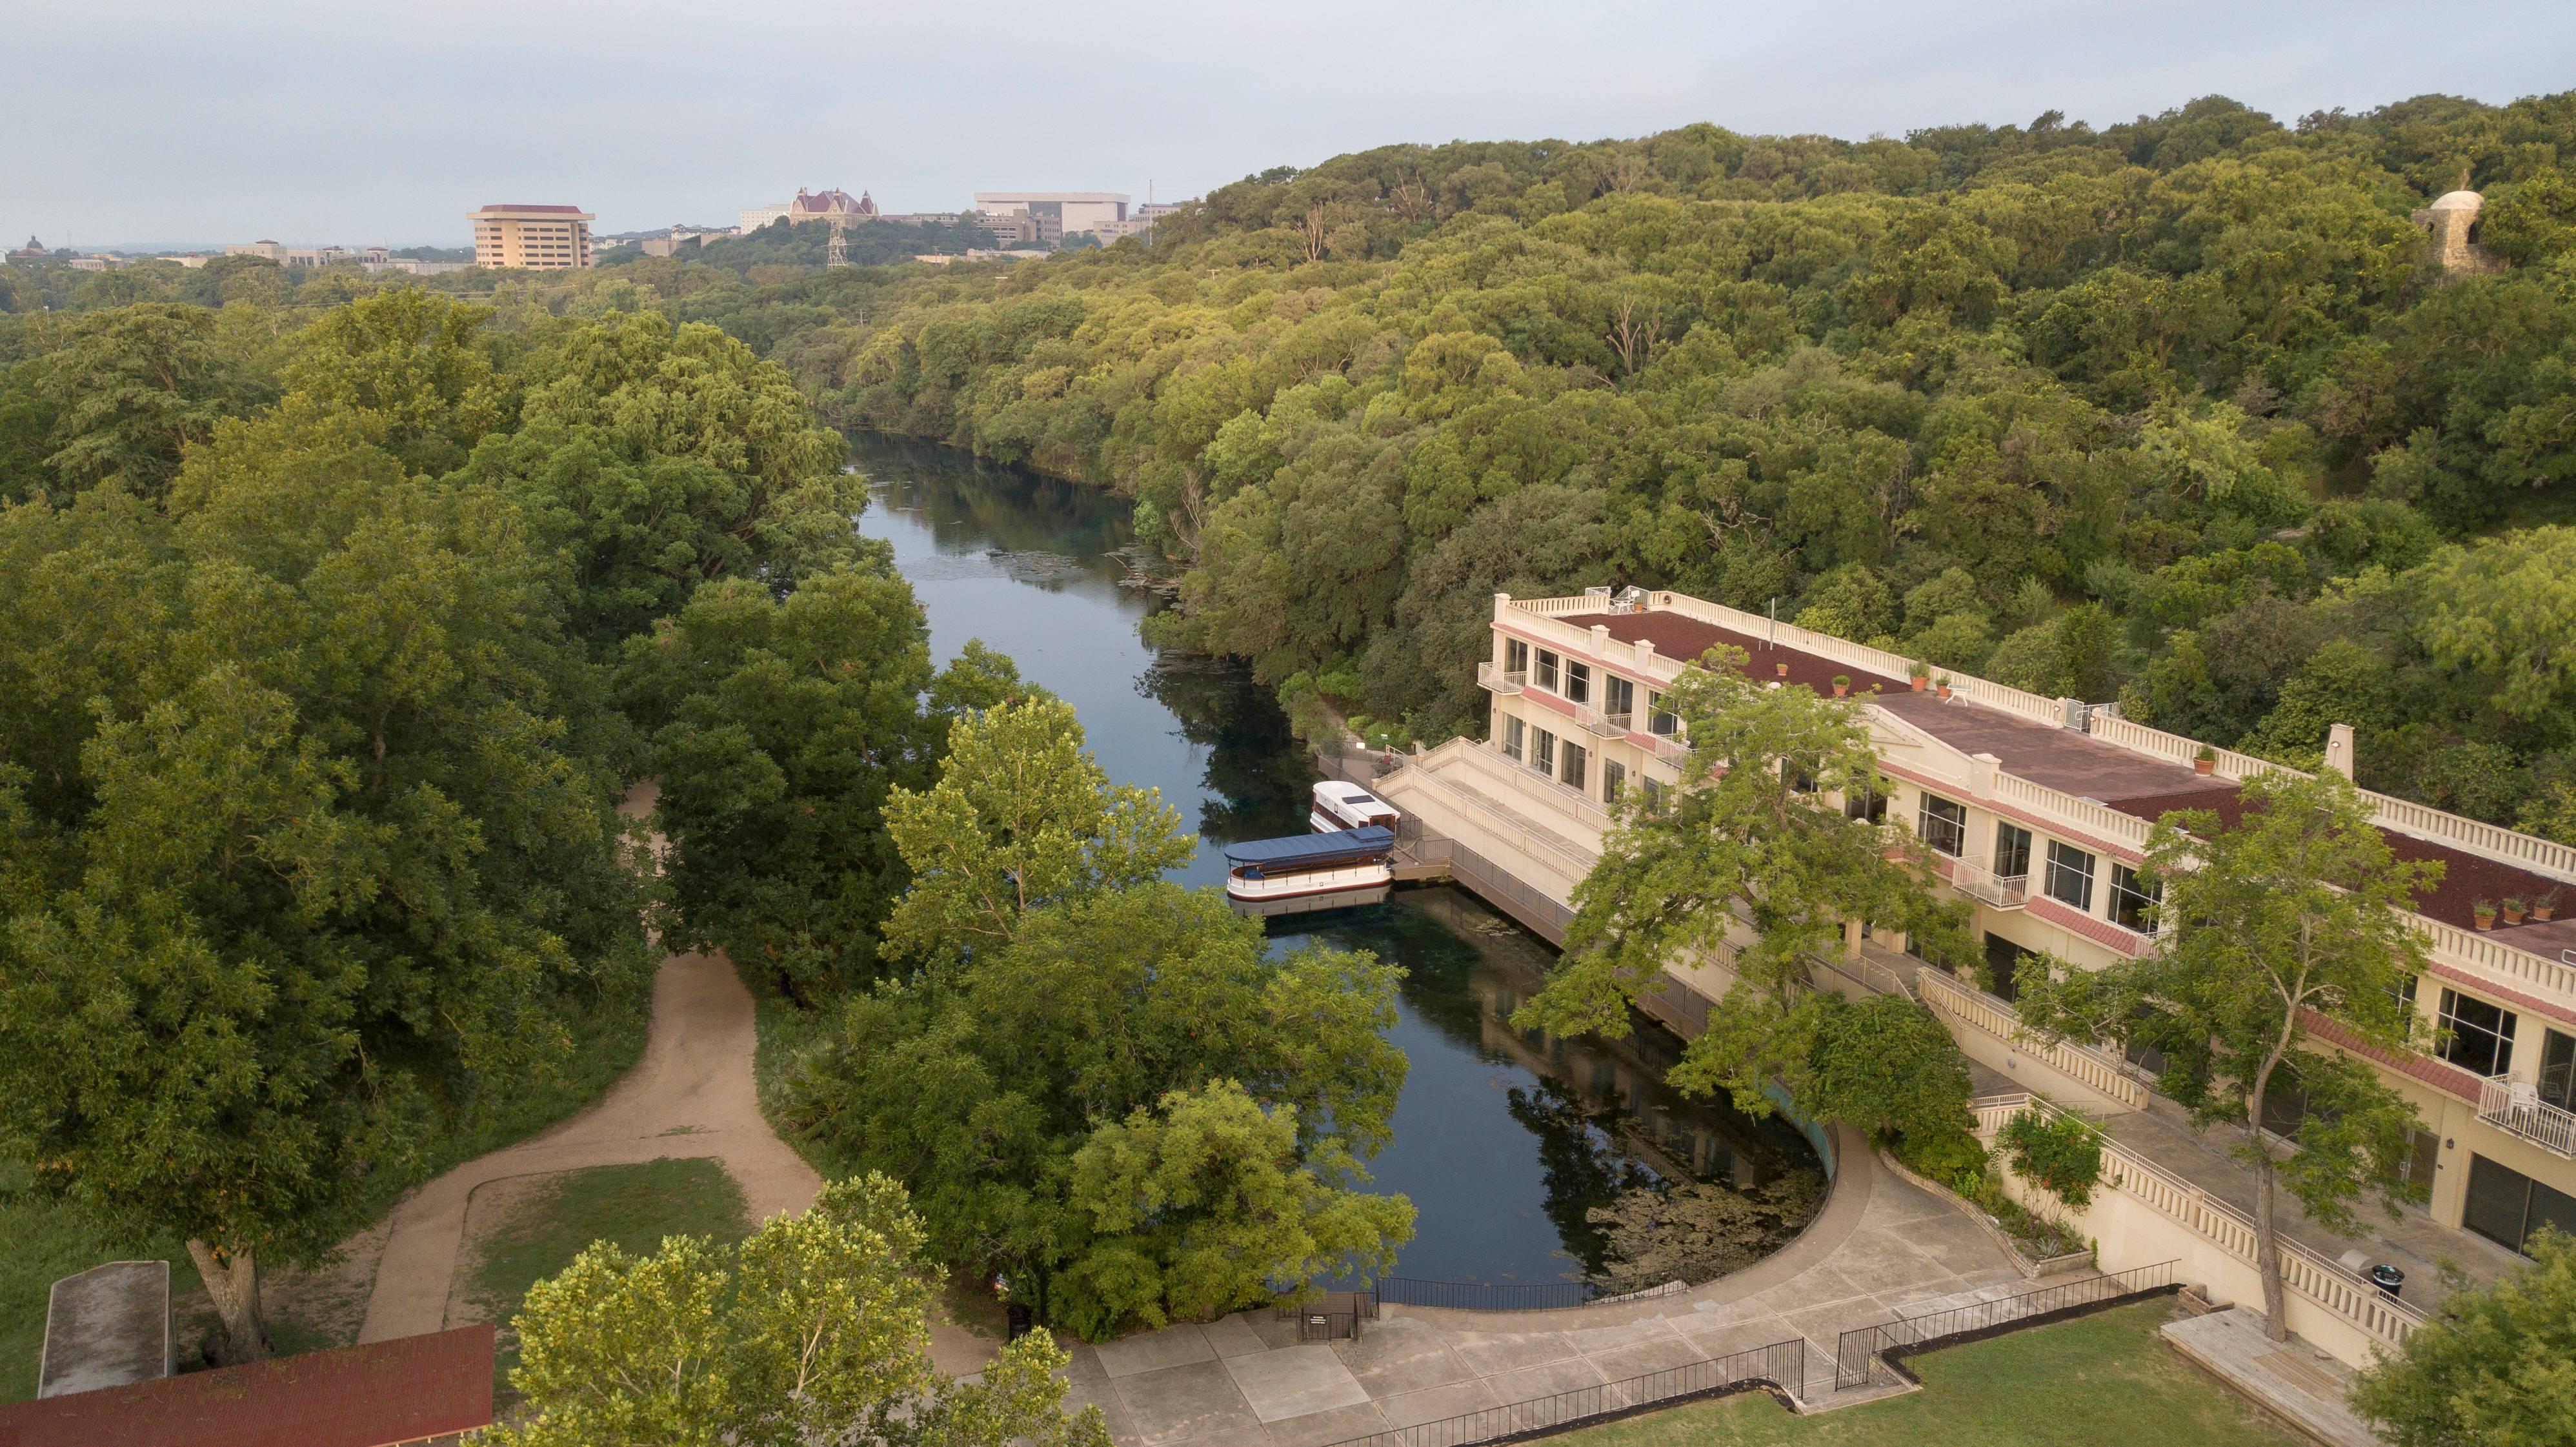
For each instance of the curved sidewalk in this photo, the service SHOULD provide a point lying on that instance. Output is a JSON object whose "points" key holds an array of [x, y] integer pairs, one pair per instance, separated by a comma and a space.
{"points": [[1880, 1245]]}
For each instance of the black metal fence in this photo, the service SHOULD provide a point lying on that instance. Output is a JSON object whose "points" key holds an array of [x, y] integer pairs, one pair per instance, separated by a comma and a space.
{"points": [[1335, 1316], [1859, 1353], [1781, 1366], [1481, 1296]]}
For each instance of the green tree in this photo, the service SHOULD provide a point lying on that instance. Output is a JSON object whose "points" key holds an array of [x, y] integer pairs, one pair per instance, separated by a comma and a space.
{"points": [[414, 364], [979, 1082], [2495, 1364], [1021, 816], [657, 458], [119, 398], [299, 860], [2298, 910], [2532, 220], [1206, 1205], [2503, 607], [813, 1329], [1745, 867], [783, 727]]}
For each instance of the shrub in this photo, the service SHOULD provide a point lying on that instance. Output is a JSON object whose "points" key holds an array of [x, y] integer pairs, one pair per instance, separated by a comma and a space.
{"points": [[2061, 1154]]}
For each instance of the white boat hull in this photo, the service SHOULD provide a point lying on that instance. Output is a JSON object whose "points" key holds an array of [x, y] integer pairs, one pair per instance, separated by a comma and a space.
{"points": [[1376, 875]]}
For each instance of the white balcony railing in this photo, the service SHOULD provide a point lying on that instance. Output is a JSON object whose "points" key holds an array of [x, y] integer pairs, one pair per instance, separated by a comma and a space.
{"points": [[1602, 725], [1501, 680], [1671, 750], [2515, 1106], [1996, 891]]}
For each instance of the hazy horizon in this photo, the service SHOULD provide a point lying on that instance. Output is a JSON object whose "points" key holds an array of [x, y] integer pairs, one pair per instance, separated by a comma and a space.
{"points": [[318, 124]]}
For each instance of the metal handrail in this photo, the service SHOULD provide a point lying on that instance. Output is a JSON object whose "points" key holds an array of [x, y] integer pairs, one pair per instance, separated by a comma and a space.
{"points": [[1501, 680], [1602, 725], [1782, 1365], [1857, 1352], [1998, 891], [2515, 1106]]}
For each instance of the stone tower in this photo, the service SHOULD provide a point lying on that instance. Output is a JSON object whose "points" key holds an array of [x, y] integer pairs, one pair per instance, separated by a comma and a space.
{"points": [[2448, 221]]}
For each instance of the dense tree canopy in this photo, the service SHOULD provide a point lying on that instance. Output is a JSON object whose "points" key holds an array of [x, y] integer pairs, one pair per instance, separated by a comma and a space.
{"points": [[1060, 1075]]}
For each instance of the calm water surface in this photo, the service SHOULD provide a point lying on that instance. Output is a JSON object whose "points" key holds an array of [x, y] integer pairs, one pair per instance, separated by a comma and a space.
{"points": [[1501, 1140]]}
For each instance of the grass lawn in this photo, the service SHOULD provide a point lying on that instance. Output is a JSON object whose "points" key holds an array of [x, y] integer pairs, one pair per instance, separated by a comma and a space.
{"points": [[2096, 1381], [545, 1226]]}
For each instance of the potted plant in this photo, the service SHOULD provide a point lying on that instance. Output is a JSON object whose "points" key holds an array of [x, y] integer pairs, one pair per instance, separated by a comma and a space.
{"points": [[2485, 911], [1921, 674], [2545, 906], [1842, 684], [2206, 761], [1784, 669], [1943, 684], [2513, 911]]}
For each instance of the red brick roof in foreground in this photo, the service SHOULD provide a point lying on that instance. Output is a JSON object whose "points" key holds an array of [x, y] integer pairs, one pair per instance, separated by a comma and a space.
{"points": [[362, 1396]]}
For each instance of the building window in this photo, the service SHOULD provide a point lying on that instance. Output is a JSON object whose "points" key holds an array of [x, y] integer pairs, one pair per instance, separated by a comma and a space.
{"points": [[1860, 801], [1578, 682], [1543, 749], [1653, 789], [2132, 898], [1575, 756], [1515, 657], [2506, 1206], [2475, 1036], [1943, 823], [1614, 780], [1618, 697], [1546, 675], [1659, 721], [1513, 729], [2012, 851], [2070, 876], [2558, 1069]]}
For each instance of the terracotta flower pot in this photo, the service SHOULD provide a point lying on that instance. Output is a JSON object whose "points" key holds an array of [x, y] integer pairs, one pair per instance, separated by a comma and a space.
{"points": [[2540, 913], [2513, 916], [2486, 919], [2204, 766], [1922, 683], [1945, 690], [1841, 689]]}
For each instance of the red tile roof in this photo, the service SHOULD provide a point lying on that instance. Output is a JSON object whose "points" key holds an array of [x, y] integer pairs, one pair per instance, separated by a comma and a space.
{"points": [[550, 210], [362, 1396]]}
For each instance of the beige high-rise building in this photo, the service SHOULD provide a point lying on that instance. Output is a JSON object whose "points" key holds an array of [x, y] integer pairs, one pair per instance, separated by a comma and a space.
{"points": [[531, 238]]}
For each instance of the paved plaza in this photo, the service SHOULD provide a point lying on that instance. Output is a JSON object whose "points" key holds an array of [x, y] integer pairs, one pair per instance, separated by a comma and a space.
{"points": [[1880, 1246]]}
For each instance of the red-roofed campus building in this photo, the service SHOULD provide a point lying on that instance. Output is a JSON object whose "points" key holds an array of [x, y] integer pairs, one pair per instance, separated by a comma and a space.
{"points": [[2036, 812], [419, 1389]]}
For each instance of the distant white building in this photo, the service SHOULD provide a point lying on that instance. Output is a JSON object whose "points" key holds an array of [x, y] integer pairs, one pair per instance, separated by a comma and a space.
{"points": [[756, 217], [1057, 214]]}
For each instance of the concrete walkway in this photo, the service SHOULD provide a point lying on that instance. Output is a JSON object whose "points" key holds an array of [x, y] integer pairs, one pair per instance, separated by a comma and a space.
{"points": [[691, 1095], [1880, 1246]]}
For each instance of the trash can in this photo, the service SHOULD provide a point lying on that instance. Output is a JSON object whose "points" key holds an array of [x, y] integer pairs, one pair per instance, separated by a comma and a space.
{"points": [[2388, 1279], [1020, 1319]]}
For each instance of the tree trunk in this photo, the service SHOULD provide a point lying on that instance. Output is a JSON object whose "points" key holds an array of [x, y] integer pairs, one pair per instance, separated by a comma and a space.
{"points": [[232, 1279], [2267, 1247]]}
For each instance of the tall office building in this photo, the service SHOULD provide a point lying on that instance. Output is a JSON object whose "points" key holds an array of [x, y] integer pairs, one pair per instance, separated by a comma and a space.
{"points": [[531, 238]]}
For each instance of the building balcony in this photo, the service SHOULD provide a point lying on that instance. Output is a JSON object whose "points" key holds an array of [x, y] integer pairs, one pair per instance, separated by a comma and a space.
{"points": [[1602, 725], [1500, 680], [1671, 750], [1995, 891], [2515, 1107]]}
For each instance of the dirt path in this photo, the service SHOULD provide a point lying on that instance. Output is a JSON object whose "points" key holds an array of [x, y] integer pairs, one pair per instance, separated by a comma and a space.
{"points": [[691, 1095]]}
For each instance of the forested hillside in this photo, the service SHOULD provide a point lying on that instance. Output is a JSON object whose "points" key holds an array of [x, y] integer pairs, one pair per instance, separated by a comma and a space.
{"points": [[2179, 412]]}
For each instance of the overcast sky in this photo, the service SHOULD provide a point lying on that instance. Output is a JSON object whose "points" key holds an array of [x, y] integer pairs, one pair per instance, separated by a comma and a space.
{"points": [[161, 121]]}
